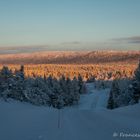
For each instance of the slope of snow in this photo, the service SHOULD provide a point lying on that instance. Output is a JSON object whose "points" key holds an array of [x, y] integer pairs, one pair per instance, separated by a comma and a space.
{"points": [[87, 121]]}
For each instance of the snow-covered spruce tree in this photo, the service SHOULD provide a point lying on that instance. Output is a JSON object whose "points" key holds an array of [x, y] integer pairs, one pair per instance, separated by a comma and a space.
{"points": [[62, 82], [114, 95], [63, 86], [49, 81], [136, 85], [5, 73], [110, 104], [81, 84], [125, 97], [126, 91], [36, 91], [55, 92], [56, 96], [19, 87], [6, 83], [70, 90], [67, 93], [73, 92], [60, 102], [76, 94]]}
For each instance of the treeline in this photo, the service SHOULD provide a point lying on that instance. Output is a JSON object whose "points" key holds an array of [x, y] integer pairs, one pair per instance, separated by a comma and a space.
{"points": [[88, 72], [40, 90], [125, 92]]}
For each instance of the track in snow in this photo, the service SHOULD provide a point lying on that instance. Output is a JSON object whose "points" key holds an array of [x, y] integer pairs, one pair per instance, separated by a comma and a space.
{"points": [[94, 99]]}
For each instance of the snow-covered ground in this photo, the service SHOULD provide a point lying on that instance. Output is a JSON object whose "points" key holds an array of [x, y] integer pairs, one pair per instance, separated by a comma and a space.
{"points": [[89, 120], [94, 99]]}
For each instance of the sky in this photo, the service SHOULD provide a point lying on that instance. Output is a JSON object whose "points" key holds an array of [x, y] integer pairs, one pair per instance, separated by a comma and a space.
{"points": [[69, 25]]}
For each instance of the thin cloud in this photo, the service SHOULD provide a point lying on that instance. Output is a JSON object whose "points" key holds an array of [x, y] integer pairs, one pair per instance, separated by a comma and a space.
{"points": [[131, 40], [71, 43], [22, 49]]}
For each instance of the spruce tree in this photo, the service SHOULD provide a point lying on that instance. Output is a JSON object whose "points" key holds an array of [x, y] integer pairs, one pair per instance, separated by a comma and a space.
{"points": [[19, 87], [110, 104], [6, 83], [136, 85], [114, 95], [81, 84], [76, 94]]}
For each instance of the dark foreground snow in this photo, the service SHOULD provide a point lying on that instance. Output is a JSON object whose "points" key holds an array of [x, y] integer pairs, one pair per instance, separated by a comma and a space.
{"points": [[87, 121]]}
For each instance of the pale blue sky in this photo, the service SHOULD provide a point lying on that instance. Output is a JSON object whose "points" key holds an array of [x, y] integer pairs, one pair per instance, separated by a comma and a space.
{"points": [[70, 24]]}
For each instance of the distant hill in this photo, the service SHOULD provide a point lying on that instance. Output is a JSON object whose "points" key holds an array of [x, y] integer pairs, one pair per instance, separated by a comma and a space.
{"points": [[71, 57]]}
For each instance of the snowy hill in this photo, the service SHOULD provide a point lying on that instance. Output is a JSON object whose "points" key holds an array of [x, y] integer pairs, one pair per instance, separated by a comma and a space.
{"points": [[71, 57], [90, 120]]}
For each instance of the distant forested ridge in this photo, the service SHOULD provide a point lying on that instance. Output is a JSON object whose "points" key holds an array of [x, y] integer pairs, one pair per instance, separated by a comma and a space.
{"points": [[70, 57]]}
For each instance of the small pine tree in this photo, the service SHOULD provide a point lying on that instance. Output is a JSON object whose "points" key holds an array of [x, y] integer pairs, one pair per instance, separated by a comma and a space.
{"points": [[19, 87], [49, 82], [110, 104], [68, 98], [6, 82], [62, 82], [114, 94], [76, 94], [81, 84], [6, 73]]}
